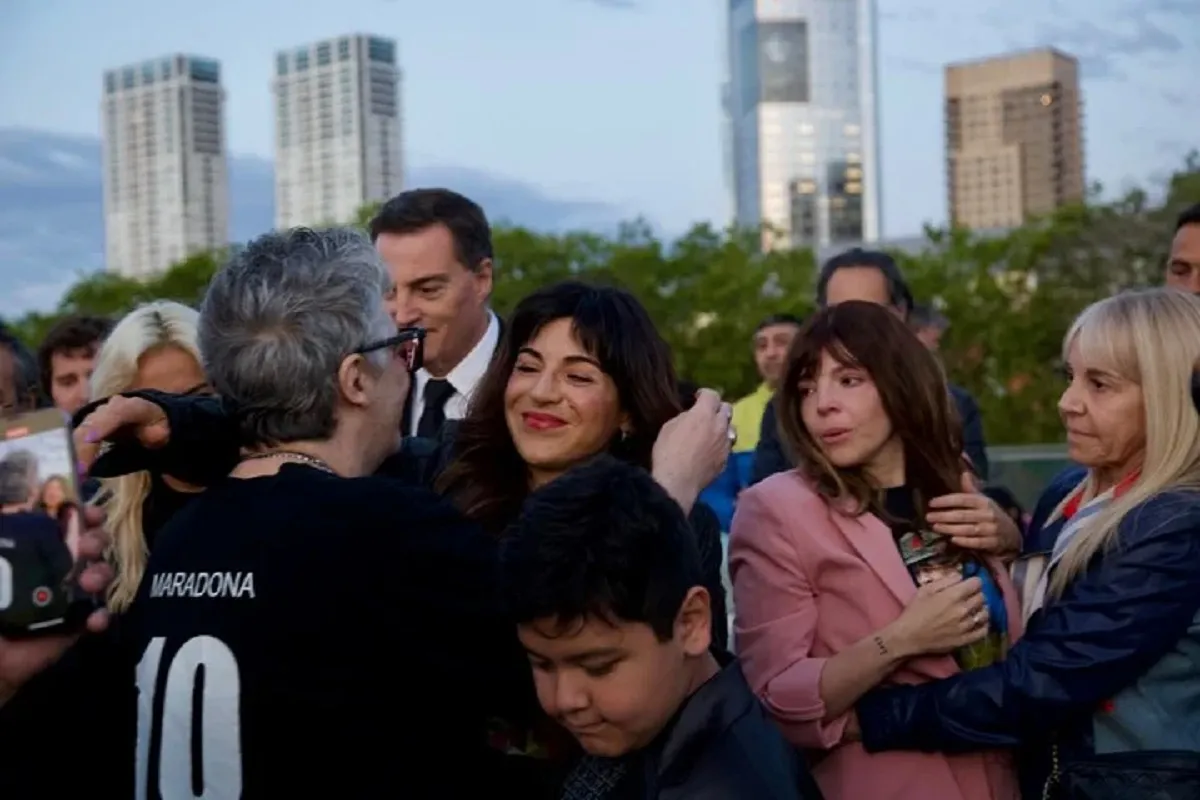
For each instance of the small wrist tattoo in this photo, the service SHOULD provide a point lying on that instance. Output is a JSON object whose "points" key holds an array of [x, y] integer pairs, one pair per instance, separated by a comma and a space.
{"points": [[883, 650]]}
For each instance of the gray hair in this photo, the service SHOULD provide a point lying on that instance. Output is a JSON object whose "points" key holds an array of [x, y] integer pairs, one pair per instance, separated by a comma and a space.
{"points": [[277, 322], [18, 477]]}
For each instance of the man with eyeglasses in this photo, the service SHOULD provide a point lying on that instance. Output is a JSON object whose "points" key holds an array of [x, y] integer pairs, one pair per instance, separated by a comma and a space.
{"points": [[314, 628]]}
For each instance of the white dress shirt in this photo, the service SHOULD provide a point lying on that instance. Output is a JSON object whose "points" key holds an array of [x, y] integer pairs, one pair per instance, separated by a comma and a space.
{"points": [[464, 377]]}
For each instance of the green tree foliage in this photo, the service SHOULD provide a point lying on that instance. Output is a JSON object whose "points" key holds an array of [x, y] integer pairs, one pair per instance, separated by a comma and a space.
{"points": [[111, 295], [1009, 299], [706, 291]]}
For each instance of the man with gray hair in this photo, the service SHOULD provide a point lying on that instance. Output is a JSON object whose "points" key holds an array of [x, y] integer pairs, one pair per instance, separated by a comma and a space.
{"points": [[299, 573], [18, 480], [322, 604]]}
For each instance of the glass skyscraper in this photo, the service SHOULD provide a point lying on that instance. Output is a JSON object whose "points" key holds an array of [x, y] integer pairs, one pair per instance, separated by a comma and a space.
{"points": [[802, 120]]}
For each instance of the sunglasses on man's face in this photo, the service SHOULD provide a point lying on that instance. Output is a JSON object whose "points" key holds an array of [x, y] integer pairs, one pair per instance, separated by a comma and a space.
{"points": [[408, 344]]}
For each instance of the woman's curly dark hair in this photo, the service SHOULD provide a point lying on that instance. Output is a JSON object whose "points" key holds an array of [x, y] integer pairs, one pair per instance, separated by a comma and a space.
{"points": [[486, 477]]}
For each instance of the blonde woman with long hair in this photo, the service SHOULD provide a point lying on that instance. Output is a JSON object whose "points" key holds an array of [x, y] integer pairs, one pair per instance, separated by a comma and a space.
{"points": [[1102, 694], [153, 347]]}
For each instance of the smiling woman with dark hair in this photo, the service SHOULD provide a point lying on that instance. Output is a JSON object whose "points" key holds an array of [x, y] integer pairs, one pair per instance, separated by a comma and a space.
{"points": [[581, 370]]}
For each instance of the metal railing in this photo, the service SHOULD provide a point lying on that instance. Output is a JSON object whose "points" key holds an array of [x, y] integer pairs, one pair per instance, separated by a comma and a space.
{"points": [[1026, 469]]}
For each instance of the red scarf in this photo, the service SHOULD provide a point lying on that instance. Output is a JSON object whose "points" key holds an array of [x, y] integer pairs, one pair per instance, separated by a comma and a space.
{"points": [[1124, 485]]}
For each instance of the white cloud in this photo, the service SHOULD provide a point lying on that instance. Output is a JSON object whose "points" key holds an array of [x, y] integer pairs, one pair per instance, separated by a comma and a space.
{"points": [[12, 170], [71, 161]]}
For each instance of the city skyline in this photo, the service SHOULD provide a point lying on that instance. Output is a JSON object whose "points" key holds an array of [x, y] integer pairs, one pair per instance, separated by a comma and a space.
{"points": [[802, 120], [619, 106]]}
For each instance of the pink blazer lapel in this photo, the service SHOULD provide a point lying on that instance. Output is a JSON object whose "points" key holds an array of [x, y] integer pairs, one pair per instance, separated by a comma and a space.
{"points": [[873, 540]]}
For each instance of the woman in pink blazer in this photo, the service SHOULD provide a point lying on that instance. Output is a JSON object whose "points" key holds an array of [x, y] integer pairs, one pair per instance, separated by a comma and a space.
{"points": [[874, 562]]}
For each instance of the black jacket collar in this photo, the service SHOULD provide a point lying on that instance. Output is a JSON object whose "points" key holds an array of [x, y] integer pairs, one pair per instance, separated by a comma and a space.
{"points": [[706, 715]]}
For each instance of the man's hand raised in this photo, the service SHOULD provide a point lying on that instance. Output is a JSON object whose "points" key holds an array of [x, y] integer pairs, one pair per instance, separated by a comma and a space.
{"points": [[692, 448]]}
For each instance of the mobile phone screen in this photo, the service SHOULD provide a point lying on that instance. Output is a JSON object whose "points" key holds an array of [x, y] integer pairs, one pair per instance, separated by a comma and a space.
{"points": [[40, 525]]}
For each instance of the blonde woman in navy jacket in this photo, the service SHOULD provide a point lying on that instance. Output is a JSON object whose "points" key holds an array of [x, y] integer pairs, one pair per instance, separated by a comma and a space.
{"points": [[1102, 695]]}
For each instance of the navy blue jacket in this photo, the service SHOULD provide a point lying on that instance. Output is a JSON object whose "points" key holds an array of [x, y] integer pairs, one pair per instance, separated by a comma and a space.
{"points": [[1113, 623]]}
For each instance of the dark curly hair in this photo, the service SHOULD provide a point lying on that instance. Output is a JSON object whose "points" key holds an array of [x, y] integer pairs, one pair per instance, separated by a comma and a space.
{"points": [[486, 476]]}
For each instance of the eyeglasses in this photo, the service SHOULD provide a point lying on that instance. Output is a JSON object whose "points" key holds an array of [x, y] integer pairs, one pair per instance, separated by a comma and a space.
{"points": [[408, 343]]}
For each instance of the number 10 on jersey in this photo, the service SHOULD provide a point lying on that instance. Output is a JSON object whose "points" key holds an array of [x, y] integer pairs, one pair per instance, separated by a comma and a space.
{"points": [[200, 698]]}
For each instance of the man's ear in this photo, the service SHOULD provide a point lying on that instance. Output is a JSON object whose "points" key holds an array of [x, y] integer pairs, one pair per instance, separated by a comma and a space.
{"points": [[484, 277], [693, 623], [354, 379]]}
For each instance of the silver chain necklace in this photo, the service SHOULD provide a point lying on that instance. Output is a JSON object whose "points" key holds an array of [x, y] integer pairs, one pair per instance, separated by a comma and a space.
{"points": [[292, 455]]}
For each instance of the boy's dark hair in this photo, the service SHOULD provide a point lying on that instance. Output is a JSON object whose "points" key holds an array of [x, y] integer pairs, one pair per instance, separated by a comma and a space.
{"points": [[70, 334], [603, 541], [1189, 216], [899, 295], [418, 209]]}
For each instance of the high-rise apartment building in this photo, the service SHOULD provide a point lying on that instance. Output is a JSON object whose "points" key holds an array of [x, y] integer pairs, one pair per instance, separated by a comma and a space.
{"points": [[1014, 138], [166, 186], [802, 120], [337, 129]]}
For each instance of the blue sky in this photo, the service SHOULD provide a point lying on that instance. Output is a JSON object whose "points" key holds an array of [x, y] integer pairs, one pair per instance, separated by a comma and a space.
{"points": [[618, 100]]}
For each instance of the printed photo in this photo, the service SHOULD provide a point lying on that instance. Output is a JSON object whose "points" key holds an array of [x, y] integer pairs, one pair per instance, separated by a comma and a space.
{"points": [[43, 457]]}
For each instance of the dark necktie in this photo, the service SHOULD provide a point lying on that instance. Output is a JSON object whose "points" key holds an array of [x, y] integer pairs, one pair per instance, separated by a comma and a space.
{"points": [[437, 392]]}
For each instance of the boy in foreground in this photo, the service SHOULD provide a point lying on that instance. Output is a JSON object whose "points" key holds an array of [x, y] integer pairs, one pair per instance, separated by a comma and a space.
{"points": [[602, 577]]}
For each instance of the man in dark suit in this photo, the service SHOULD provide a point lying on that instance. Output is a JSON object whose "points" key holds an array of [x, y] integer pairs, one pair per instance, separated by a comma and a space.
{"points": [[438, 248], [874, 277]]}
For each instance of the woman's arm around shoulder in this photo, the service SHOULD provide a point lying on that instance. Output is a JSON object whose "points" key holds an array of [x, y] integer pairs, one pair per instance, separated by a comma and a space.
{"points": [[1114, 622]]}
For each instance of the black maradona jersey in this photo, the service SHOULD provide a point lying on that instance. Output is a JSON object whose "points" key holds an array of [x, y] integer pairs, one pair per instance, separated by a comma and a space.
{"points": [[305, 634]]}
